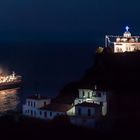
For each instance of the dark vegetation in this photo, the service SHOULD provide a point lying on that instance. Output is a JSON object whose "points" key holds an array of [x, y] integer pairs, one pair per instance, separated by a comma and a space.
{"points": [[29, 128], [60, 128], [120, 74]]}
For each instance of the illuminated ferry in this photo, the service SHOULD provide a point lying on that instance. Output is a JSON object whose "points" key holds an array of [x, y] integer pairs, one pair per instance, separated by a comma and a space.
{"points": [[9, 81], [125, 43]]}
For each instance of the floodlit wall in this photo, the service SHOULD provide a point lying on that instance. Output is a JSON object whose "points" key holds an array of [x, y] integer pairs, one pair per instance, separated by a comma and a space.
{"points": [[37, 103], [126, 47], [32, 105], [71, 112], [84, 111]]}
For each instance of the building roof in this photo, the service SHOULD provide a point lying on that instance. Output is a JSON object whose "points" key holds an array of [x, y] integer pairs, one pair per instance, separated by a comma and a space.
{"points": [[37, 97], [94, 87], [57, 107], [86, 104]]}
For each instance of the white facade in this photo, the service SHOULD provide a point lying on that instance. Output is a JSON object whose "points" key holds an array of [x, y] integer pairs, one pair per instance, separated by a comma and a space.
{"points": [[126, 43], [50, 115], [86, 111], [33, 104], [93, 96], [71, 112], [86, 114], [39, 108], [126, 47]]}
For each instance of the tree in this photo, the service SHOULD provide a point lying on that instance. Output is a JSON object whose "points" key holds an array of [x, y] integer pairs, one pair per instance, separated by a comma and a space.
{"points": [[99, 50]]}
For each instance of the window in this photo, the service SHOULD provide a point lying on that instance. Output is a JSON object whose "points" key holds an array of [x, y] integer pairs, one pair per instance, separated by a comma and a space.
{"points": [[50, 113], [45, 114], [34, 104], [94, 94], [88, 94], [83, 93], [40, 112], [31, 103], [99, 94], [31, 113], [34, 113], [28, 103], [117, 49], [79, 111], [89, 112]]}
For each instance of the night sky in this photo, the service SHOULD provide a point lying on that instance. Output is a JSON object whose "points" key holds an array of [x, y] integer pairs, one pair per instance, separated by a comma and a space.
{"points": [[62, 21], [66, 21]]}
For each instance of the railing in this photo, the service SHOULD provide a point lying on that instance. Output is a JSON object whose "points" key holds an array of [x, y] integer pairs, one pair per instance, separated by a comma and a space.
{"points": [[92, 99]]}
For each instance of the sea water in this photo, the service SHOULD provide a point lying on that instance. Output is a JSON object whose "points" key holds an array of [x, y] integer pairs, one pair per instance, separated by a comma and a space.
{"points": [[45, 69]]}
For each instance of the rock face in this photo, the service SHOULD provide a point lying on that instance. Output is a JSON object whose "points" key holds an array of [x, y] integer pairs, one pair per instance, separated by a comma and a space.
{"points": [[118, 73]]}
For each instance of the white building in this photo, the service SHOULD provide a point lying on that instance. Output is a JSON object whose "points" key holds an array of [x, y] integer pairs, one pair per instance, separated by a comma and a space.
{"points": [[52, 110], [125, 43], [86, 114], [41, 107], [93, 96], [32, 105], [85, 111]]}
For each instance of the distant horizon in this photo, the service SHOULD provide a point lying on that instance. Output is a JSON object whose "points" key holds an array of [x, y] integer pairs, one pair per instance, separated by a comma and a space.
{"points": [[94, 37], [47, 66]]}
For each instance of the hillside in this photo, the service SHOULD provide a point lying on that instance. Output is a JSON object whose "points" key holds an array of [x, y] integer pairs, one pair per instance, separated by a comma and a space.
{"points": [[118, 73]]}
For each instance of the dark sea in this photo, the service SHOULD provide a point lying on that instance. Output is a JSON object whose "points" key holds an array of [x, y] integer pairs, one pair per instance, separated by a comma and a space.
{"points": [[45, 68]]}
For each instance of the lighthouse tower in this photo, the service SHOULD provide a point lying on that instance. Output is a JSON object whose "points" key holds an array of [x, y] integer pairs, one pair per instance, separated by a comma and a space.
{"points": [[126, 43]]}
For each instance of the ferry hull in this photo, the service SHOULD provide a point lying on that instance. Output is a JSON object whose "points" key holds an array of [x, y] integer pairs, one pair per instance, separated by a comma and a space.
{"points": [[10, 85]]}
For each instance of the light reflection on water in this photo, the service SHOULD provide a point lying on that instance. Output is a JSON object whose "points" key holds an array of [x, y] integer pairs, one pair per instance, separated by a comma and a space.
{"points": [[9, 100]]}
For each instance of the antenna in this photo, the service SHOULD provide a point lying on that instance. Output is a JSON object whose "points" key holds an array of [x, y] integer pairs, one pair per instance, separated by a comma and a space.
{"points": [[106, 39]]}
